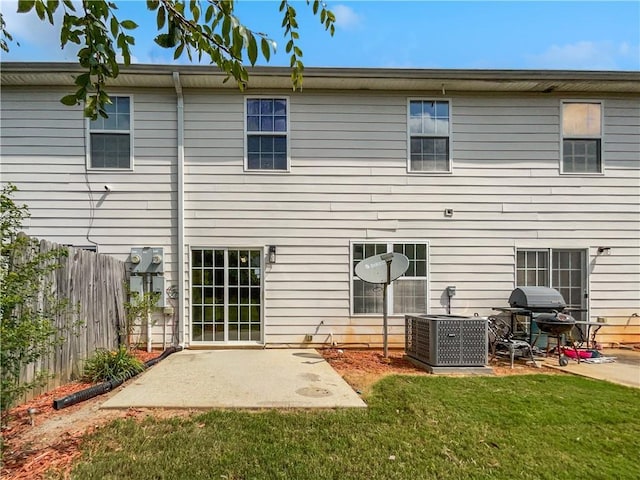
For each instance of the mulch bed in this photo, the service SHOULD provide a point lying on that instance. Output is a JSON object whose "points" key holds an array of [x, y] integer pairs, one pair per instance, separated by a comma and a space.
{"points": [[369, 361], [22, 460]]}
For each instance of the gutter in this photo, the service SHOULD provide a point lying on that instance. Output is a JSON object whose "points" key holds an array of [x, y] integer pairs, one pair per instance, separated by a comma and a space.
{"points": [[180, 187]]}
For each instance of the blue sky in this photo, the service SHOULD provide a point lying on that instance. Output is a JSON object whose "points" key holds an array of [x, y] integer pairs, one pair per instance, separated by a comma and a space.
{"points": [[580, 35]]}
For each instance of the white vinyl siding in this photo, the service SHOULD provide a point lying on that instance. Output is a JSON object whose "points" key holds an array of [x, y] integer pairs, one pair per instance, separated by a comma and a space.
{"points": [[110, 139], [348, 181], [581, 137], [44, 155]]}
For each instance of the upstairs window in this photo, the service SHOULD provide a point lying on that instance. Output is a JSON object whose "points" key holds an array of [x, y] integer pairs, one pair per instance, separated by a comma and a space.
{"points": [[267, 128], [110, 139], [581, 137], [429, 136]]}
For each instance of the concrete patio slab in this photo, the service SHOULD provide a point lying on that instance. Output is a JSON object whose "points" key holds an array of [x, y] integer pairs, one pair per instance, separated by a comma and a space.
{"points": [[625, 370], [254, 379]]}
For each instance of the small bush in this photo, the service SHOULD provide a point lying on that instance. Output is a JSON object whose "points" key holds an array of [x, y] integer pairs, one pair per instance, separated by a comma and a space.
{"points": [[106, 365]]}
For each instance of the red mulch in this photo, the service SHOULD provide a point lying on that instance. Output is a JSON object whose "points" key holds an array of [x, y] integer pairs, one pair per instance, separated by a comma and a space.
{"points": [[369, 361], [22, 460]]}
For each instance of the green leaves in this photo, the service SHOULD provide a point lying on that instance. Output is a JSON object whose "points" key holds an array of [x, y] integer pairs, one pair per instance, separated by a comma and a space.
{"points": [[70, 100], [214, 33], [127, 24], [27, 305], [25, 5]]}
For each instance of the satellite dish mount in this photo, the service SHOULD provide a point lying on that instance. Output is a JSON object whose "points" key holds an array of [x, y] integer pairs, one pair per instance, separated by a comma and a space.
{"points": [[383, 269]]}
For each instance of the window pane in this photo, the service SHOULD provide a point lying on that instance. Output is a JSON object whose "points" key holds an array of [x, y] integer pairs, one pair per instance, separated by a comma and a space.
{"points": [[428, 109], [196, 258], [110, 123], [581, 156], [266, 124], [280, 124], [371, 299], [253, 123], [266, 144], [280, 144], [112, 107], [110, 150], [253, 161], [122, 122], [266, 107], [97, 124], [253, 107], [429, 154], [442, 109], [280, 107], [409, 296], [415, 108], [581, 119], [122, 104], [280, 162]]}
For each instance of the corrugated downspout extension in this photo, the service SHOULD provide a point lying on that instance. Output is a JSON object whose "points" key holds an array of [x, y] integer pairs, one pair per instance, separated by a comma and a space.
{"points": [[107, 386]]}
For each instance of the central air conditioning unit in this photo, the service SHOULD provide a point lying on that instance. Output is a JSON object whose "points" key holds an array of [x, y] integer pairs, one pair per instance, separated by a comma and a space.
{"points": [[447, 340]]}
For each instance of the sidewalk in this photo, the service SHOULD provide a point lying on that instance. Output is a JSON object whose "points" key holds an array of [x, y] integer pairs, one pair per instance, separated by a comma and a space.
{"points": [[624, 371]]}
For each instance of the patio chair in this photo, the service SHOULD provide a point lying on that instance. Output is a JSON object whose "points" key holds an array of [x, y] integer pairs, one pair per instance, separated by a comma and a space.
{"points": [[501, 341]]}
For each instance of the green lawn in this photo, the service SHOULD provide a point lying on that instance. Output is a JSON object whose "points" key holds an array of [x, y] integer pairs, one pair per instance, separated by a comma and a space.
{"points": [[518, 427]]}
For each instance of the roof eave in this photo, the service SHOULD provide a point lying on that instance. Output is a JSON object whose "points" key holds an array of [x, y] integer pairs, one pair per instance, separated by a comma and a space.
{"points": [[201, 76]]}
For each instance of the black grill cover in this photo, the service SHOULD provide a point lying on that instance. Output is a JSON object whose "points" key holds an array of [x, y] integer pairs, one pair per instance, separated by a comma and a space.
{"points": [[537, 299]]}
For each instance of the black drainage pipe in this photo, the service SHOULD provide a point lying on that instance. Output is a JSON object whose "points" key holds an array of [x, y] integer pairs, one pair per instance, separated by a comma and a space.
{"points": [[107, 386]]}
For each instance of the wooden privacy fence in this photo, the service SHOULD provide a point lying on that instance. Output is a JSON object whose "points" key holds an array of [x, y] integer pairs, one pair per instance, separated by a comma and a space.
{"points": [[94, 287]]}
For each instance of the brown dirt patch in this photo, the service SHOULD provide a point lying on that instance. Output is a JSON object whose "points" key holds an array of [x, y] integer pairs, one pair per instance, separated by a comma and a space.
{"points": [[51, 443]]}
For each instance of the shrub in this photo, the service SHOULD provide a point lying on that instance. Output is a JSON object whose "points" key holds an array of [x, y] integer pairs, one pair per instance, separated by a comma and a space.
{"points": [[28, 307], [105, 365]]}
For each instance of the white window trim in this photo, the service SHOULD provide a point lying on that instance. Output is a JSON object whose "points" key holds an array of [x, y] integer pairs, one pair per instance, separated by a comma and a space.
{"points": [[246, 133], [408, 116], [390, 291], [586, 137], [87, 141]]}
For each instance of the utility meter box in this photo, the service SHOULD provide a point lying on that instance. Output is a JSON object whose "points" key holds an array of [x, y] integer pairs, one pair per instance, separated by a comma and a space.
{"points": [[147, 260], [136, 286], [157, 286]]}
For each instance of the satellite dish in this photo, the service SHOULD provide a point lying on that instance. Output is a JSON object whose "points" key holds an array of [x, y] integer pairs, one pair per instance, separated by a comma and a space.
{"points": [[374, 269]]}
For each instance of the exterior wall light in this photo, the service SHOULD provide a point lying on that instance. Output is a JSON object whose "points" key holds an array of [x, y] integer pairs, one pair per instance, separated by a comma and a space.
{"points": [[272, 254], [604, 250]]}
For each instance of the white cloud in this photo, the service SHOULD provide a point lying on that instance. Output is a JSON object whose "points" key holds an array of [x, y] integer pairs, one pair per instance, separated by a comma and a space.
{"points": [[35, 39], [346, 17], [587, 55]]}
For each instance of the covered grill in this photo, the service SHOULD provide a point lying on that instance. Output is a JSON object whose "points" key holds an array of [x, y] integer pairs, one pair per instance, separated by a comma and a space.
{"points": [[537, 299], [545, 306]]}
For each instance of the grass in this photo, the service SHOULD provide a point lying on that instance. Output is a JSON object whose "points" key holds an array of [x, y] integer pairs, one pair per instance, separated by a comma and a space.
{"points": [[525, 427]]}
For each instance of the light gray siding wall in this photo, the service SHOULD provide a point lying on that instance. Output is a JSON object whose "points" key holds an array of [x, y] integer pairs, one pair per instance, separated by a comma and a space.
{"points": [[348, 181], [43, 154]]}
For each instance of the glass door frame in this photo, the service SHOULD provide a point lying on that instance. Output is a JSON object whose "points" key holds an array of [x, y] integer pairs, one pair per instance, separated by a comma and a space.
{"points": [[551, 270], [226, 341]]}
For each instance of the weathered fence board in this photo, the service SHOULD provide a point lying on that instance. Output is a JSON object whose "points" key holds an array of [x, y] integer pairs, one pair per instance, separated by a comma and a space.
{"points": [[94, 287]]}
